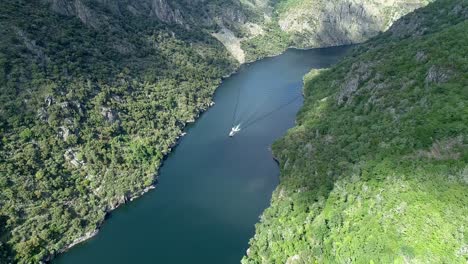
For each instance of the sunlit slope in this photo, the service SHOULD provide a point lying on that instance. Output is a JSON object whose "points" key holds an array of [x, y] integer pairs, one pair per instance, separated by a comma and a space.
{"points": [[324, 23], [91, 100], [376, 169]]}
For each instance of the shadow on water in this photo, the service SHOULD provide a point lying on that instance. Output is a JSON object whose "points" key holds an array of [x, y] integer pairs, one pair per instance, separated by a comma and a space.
{"points": [[212, 188]]}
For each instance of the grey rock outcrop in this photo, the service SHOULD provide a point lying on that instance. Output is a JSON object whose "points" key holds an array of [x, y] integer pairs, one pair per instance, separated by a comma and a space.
{"points": [[331, 23], [360, 73], [314, 23], [110, 115], [437, 75], [72, 157], [164, 12], [80, 10]]}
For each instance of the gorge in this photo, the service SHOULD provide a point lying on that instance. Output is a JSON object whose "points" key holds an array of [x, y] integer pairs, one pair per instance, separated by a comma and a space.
{"points": [[95, 93]]}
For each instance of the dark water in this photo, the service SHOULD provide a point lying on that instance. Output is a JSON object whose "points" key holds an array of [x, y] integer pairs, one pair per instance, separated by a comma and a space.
{"points": [[212, 188]]}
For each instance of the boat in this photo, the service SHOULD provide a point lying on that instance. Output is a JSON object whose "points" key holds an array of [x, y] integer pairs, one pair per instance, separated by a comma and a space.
{"points": [[234, 130]]}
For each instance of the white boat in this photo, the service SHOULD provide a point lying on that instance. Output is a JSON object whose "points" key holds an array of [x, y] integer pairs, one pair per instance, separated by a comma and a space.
{"points": [[234, 130]]}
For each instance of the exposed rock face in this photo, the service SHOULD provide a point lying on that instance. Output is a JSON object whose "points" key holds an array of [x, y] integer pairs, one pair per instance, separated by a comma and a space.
{"points": [[72, 157], [437, 75], [314, 23], [110, 115], [62, 7], [232, 44], [421, 56], [42, 114], [360, 72], [182, 12], [380, 84], [160, 9], [233, 15], [411, 25], [317, 23], [64, 132], [293, 259], [164, 12], [310, 23], [79, 9]]}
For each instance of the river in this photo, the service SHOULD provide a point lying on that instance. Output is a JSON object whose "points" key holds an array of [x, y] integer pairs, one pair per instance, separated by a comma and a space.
{"points": [[212, 188]]}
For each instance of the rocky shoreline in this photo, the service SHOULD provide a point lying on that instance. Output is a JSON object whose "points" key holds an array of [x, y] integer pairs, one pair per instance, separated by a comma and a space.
{"points": [[125, 199], [129, 198]]}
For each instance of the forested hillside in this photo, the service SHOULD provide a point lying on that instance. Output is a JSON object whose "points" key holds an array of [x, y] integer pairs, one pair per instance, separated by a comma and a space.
{"points": [[376, 169], [268, 27], [323, 23], [94, 93], [90, 101]]}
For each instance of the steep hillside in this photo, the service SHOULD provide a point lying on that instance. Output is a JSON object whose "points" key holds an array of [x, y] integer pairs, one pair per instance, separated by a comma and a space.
{"points": [[95, 92], [323, 23], [268, 27], [92, 96], [207, 14], [376, 169]]}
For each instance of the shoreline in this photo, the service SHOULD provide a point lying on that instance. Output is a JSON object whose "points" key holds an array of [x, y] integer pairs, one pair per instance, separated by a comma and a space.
{"points": [[131, 197], [126, 199]]}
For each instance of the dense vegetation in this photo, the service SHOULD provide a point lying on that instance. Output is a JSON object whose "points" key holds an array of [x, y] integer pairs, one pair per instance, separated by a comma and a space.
{"points": [[93, 98], [87, 113], [273, 42], [376, 169], [323, 23]]}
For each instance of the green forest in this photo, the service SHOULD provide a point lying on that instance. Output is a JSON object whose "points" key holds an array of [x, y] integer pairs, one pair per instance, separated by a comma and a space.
{"points": [[86, 116], [95, 94], [376, 169]]}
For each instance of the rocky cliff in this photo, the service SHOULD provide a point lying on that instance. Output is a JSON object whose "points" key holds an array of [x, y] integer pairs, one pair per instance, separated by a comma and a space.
{"points": [[245, 27], [328, 23], [188, 13], [317, 23]]}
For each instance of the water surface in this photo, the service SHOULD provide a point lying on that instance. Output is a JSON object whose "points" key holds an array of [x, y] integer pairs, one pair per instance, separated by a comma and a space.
{"points": [[212, 188]]}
